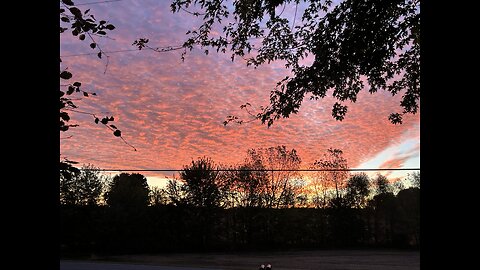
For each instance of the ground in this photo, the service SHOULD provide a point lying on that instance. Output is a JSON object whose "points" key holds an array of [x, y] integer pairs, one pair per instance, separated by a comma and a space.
{"points": [[295, 260]]}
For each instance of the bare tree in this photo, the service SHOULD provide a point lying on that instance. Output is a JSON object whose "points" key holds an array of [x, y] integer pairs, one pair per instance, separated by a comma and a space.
{"points": [[334, 172], [248, 182], [278, 189]]}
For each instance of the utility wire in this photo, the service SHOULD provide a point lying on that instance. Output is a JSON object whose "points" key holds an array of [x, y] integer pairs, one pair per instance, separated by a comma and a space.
{"points": [[260, 170], [99, 2], [82, 54]]}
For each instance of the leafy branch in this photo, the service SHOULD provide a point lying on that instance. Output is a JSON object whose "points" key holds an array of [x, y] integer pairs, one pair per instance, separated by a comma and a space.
{"points": [[82, 24], [356, 45]]}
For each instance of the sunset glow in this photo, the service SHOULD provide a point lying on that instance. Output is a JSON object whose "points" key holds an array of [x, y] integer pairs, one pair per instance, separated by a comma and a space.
{"points": [[173, 111]]}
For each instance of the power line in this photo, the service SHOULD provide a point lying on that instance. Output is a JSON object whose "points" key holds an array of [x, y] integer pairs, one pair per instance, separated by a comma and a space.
{"points": [[99, 2], [94, 53], [260, 170]]}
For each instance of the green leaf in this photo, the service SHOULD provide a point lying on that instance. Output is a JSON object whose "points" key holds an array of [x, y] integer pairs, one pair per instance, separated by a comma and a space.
{"points": [[99, 55], [62, 10], [96, 120], [85, 94], [104, 121], [81, 37], [65, 75], [101, 32], [110, 26], [93, 45], [117, 133], [77, 84], [102, 22], [86, 11], [65, 19], [113, 126]]}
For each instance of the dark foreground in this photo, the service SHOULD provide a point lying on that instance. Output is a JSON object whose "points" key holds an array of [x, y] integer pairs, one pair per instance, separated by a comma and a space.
{"points": [[321, 260]]}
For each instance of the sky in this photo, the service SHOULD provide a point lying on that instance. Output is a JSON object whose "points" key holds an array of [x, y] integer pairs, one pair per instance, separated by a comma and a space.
{"points": [[172, 112]]}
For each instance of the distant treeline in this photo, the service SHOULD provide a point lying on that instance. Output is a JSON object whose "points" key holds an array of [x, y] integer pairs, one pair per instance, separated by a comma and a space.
{"points": [[250, 208]]}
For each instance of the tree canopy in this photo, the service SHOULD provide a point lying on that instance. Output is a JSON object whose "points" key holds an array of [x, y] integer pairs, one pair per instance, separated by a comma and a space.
{"points": [[201, 183], [128, 191], [356, 45]]}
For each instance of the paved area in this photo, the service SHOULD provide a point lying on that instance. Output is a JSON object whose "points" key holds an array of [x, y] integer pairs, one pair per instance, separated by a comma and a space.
{"points": [[298, 260], [82, 265]]}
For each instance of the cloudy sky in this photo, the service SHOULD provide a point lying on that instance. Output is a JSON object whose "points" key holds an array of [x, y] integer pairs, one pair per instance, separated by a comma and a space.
{"points": [[173, 111]]}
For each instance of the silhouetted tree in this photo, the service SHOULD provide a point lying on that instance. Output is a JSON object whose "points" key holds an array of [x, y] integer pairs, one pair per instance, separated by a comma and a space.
{"points": [[414, 179], [408, 201], [398, 185], [355, 45], [201, 184], [382, 207], [68, 186], [84, 187], [382, 185], [158, 196], [175, 192], [128, 191], [334, 174], [320, 190], [249, 181], [279, 189], [357, 190]]}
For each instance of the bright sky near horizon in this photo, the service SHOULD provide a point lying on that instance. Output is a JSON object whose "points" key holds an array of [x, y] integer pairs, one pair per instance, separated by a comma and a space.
{"points": [[172, 111]]}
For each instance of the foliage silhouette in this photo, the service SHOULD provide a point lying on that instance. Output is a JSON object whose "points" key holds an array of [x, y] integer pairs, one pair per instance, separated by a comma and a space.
{"points": [[357, 190], [414, 179], [177, 218], [355, 45], [82, 187], [86, 27], [201, 183], [158, 196], [128, 191], [382, 186]]}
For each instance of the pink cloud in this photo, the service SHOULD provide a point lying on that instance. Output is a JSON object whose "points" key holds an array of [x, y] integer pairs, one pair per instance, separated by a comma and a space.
{"points": [[172, 111]]}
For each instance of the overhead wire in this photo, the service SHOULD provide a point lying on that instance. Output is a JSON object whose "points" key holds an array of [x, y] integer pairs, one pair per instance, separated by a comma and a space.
{"points": [[256, 170]]}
